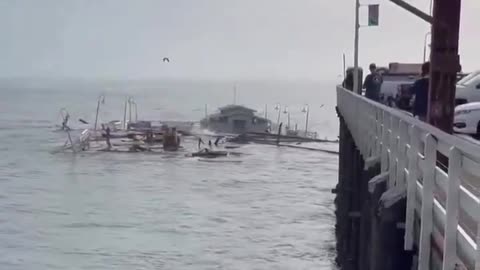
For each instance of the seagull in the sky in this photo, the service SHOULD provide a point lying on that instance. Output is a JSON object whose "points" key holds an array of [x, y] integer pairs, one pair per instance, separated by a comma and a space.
{"points": [[166, 60]]}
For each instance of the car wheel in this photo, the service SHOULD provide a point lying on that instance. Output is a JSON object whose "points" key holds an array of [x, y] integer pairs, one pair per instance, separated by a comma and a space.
{"points": [[478, 128]]}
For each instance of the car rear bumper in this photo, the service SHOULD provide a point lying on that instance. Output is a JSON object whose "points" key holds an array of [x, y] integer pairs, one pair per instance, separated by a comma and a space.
{"points": [[466, 125]]}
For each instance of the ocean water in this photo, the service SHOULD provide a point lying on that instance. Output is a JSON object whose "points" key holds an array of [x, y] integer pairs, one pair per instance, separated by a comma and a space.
{"points": [[270, 209]]}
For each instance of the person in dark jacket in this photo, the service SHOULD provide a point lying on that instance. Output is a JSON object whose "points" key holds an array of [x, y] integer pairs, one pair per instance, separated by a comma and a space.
{"points": [[420, 91], [348, 82], [372, 83], [200, 142]]}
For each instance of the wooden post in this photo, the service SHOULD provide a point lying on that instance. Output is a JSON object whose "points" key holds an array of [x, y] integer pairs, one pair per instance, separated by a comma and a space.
{"points": [[445, 63], [279, 133]]}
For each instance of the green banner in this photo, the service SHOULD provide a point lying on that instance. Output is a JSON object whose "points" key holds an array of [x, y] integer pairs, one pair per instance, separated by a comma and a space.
{"points": [[373, 15]]}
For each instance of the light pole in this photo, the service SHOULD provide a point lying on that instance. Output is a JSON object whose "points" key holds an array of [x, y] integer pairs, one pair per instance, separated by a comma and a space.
{"points": [[425, 46], [127, 102], [136, 111], [101, 99], [356, 83], [130, 102], [207, 120], [234, 94], [278, 108], [287, 112], [306, 110]]}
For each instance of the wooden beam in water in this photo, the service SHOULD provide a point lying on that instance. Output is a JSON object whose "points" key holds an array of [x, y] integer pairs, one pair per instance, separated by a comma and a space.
{"points": [[292, 138]]}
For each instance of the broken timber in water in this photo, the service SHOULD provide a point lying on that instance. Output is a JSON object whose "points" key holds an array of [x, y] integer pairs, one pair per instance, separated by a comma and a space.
{"points": [[282, 140], [259, 137]]}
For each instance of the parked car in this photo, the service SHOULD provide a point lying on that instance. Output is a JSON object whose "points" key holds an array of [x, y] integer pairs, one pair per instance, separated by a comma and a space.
{"points": [[461, 75], [390, 87], [467, 118], [395, 76], [468, 89], [404, 96]]}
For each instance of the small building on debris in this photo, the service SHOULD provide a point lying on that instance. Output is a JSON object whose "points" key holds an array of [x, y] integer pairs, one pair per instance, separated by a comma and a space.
{"points": [[235, 119]]}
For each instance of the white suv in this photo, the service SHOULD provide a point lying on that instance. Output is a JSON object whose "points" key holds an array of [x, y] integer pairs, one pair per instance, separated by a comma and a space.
{"points": [[467, 118], [468, 89]]}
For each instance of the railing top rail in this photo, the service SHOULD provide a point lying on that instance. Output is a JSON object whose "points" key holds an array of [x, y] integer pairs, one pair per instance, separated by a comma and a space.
{"points": [[466, 147]]}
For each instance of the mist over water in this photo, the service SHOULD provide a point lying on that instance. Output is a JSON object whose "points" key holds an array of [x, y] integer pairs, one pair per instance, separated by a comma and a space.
{"points": [[270, 210]]}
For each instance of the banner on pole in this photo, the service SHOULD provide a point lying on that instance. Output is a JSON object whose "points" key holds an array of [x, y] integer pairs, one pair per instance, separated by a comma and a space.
{"points": [[373, 15]]}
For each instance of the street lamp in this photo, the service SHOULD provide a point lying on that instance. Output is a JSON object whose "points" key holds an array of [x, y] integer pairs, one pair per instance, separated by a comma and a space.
{"points": [[130, 102], [136, 109], [287, 112], [101, 99], [425, 46], [306, 110], [125, 114], [278, 108]]}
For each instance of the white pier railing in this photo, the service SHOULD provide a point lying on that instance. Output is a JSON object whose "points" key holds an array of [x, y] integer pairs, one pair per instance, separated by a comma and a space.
{"points": [[445, 200]]}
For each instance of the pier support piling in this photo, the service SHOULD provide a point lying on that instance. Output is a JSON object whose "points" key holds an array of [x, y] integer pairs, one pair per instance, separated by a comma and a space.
{"points": [[369, 227]]}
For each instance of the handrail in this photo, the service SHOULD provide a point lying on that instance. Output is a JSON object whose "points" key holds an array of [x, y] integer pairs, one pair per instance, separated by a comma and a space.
{"points": [[407, 150]]}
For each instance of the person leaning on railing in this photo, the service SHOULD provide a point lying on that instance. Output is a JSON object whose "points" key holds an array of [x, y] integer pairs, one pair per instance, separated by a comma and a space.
{"points": [[420, 91]]}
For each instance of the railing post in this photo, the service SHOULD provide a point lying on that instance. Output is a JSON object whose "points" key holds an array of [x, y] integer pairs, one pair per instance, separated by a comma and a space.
{"points": [[371, 129], [385, 141], [378, 127], [477, 240], [411, 187], [451, 224], [401, 154], [392, 163], [427, 202]]}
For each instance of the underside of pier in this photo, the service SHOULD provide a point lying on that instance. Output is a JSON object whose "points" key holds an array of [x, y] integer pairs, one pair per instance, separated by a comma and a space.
{"points": [[370, 221]]}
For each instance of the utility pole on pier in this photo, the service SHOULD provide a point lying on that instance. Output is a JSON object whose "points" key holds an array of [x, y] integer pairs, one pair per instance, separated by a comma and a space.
{"points": [[445, 61], [356, 83], [445, 64]]}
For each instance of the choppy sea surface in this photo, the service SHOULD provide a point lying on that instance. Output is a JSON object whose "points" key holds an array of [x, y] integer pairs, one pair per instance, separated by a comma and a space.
{"points": [[270, 209]]}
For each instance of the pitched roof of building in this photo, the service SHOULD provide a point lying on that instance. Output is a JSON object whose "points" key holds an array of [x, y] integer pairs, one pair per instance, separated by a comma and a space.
{"points": [[235, 107]]}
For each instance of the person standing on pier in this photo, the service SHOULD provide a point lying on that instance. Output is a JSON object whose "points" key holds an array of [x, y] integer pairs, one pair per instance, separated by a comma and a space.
{"points": [[200, 142], [372, 83], [420, 91], [65, 122], [348, 82], [107, 138]]}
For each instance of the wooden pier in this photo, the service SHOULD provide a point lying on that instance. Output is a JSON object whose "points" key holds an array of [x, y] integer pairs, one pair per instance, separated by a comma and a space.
{"points": [[395, 208]]}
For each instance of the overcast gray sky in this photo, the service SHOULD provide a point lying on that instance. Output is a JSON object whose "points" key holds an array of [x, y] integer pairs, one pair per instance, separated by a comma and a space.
{"points": [[227, 39]]}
